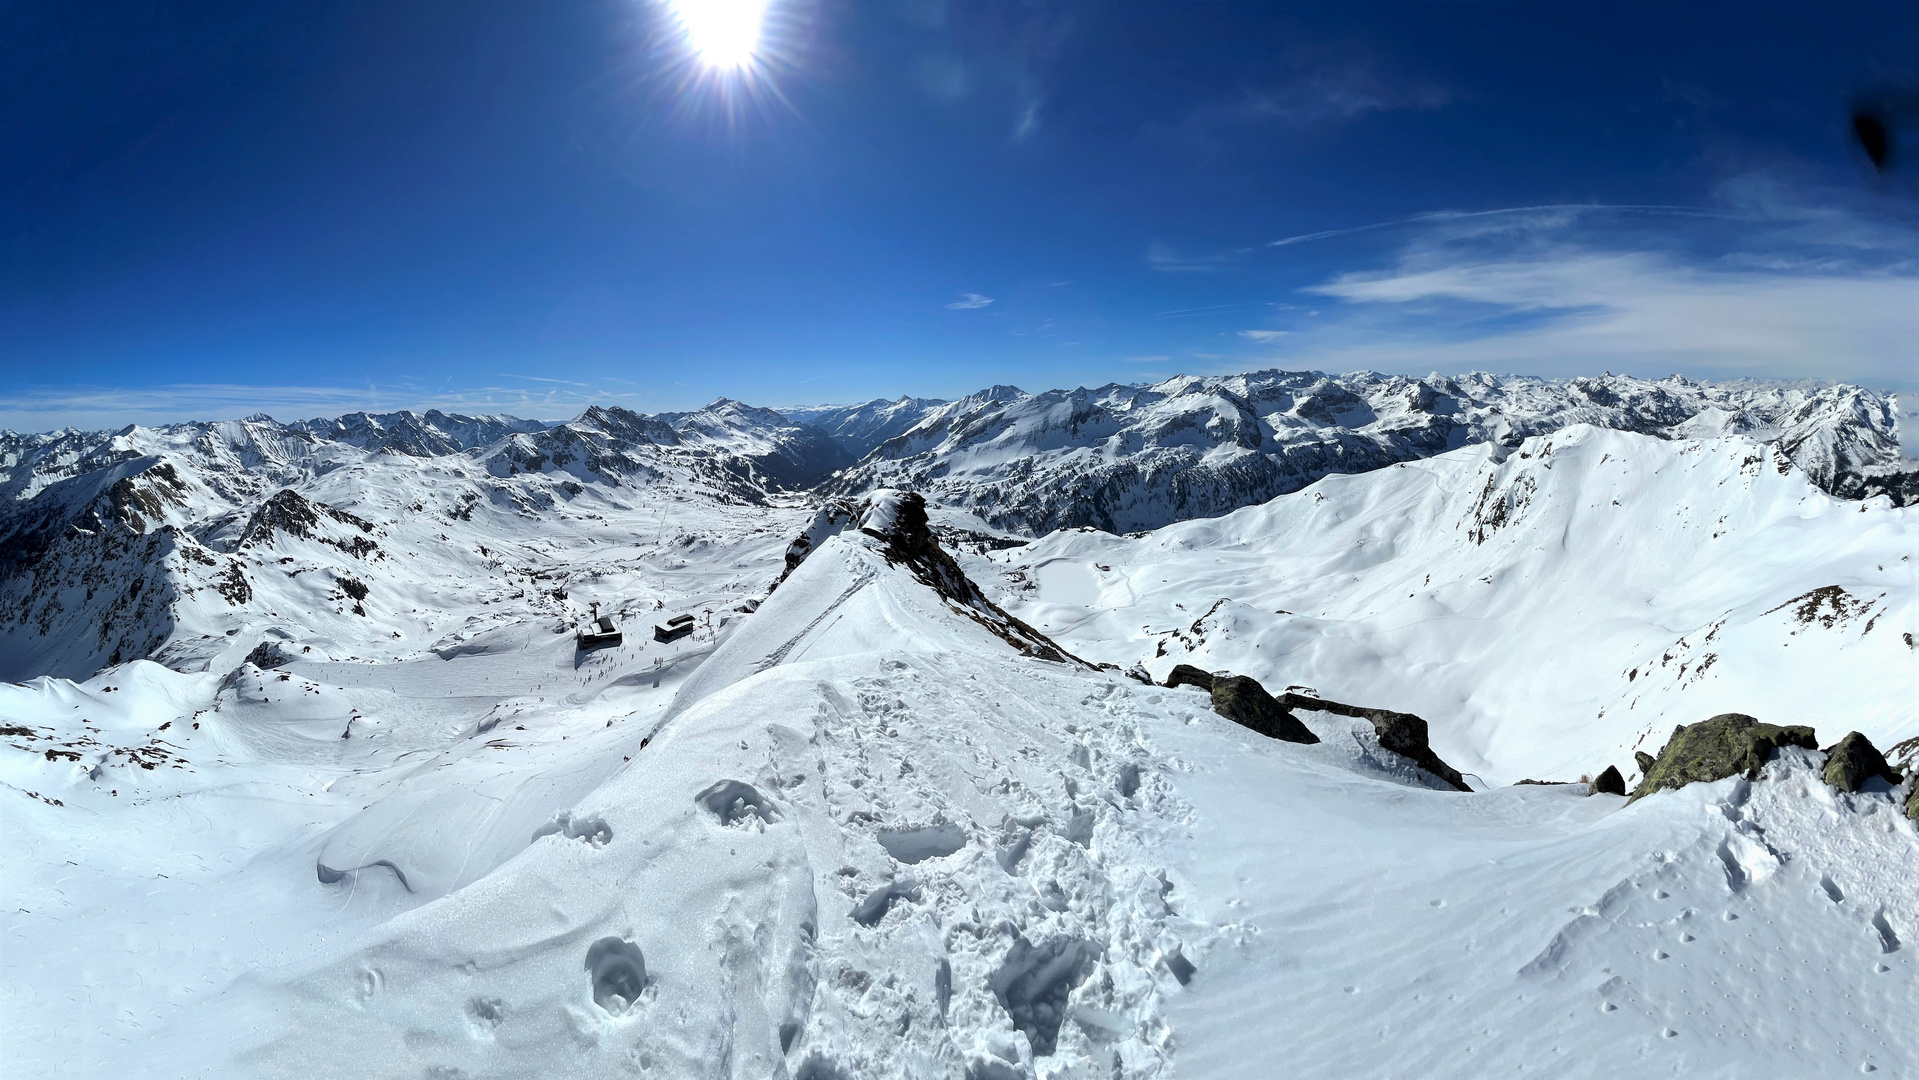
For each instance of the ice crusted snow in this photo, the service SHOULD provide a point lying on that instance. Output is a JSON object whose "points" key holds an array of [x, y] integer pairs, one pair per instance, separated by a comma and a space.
{"points": [[858, 831]]}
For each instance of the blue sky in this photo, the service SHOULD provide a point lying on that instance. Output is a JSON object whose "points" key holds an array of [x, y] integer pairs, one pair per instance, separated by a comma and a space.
{"points": [[212, 208]]}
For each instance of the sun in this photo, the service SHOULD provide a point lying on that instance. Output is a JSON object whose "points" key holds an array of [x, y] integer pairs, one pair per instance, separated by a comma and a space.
{"points": [[724, 34]]}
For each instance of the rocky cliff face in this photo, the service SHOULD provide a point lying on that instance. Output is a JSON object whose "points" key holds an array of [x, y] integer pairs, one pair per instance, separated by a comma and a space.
{"points": [[1131, 457]]}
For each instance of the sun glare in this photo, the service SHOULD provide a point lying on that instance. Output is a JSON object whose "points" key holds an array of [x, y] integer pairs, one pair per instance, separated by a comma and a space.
{"points": [[724, 34]]}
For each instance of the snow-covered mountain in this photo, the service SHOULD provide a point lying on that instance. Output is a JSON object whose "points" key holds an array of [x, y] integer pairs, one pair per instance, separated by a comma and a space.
{"points": [[1130, 457], [117, 545], [427, 434], [152, 542], [1549, 608], [882, 827], [858, 429]]}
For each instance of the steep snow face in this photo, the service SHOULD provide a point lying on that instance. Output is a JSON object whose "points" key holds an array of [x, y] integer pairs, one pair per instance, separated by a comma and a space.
{"points": [[1124, 458], [860, 428], [857, 833], [1548, 609]]}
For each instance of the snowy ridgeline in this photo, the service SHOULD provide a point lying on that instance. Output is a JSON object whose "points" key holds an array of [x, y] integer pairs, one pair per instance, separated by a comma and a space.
{"points": [[887, 822], [163, 543]]}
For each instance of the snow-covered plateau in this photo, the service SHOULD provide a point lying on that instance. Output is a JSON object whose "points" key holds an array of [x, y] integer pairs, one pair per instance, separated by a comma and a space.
{"points": [[306, 770]]}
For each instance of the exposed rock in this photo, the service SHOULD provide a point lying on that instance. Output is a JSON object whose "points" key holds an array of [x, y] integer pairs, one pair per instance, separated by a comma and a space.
{"points": [[1188, 675], [1645, 761], [1904, 755], [1853, 760], [268, 654], [288, 512], [898, 518], [1714, 749], [1608, 783], [1402, 733], [1912, 802], [835, 516], [1246, 703]]}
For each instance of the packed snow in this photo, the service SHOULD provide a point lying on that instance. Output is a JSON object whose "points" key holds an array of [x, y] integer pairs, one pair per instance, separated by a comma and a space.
{"points": [[870, 818]]}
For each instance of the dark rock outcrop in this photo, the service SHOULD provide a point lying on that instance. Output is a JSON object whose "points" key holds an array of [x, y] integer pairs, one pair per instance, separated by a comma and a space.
{"points": [[1608, 783], [1243, 701], [1188, 675], [268, 654], [898, 520], [1853, 760], [1645, 761], [1912, 802], [1402, 733], [1726, 745]]}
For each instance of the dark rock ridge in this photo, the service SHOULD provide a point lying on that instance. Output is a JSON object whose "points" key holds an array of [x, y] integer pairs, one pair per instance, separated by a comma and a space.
{"points": [[1853, 760], [898, 519], [1243, 701], [1608, 782], [1402, 733], [1726, 745], [290, 513], [1188, 675]]}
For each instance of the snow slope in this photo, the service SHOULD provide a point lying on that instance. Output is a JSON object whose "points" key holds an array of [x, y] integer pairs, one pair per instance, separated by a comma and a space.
{"points": [[860, 833], [1548, 609]]}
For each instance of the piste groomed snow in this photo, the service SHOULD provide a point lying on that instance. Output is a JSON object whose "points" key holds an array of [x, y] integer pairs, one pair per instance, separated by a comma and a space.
{"points": [[314, 762]]}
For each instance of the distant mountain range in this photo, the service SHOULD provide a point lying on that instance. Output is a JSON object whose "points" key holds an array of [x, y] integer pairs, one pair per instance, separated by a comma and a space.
{"points": [[108, 540]]}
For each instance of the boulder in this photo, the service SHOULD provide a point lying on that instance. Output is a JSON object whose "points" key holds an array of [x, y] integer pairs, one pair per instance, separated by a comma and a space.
{"points": [[1853, 760], [1188, 675], [1912, 802], [1608, 783], [1645, 761], [1726, 745], [1402, 733], [1246, 703]]}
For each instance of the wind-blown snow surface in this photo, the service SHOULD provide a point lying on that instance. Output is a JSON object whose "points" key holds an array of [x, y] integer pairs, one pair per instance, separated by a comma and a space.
{"points": [[1548, 610], [865, 837]]}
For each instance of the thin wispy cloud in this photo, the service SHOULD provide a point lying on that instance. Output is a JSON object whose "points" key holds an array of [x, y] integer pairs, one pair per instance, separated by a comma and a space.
{"points": [[1164, 258], [1572, 290], [970, 301], [1026, 123], [1263, 337], [1544, 215]]}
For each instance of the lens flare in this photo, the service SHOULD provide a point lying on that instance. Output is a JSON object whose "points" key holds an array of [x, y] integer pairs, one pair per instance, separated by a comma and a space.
{"points": [[724, 34]]}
